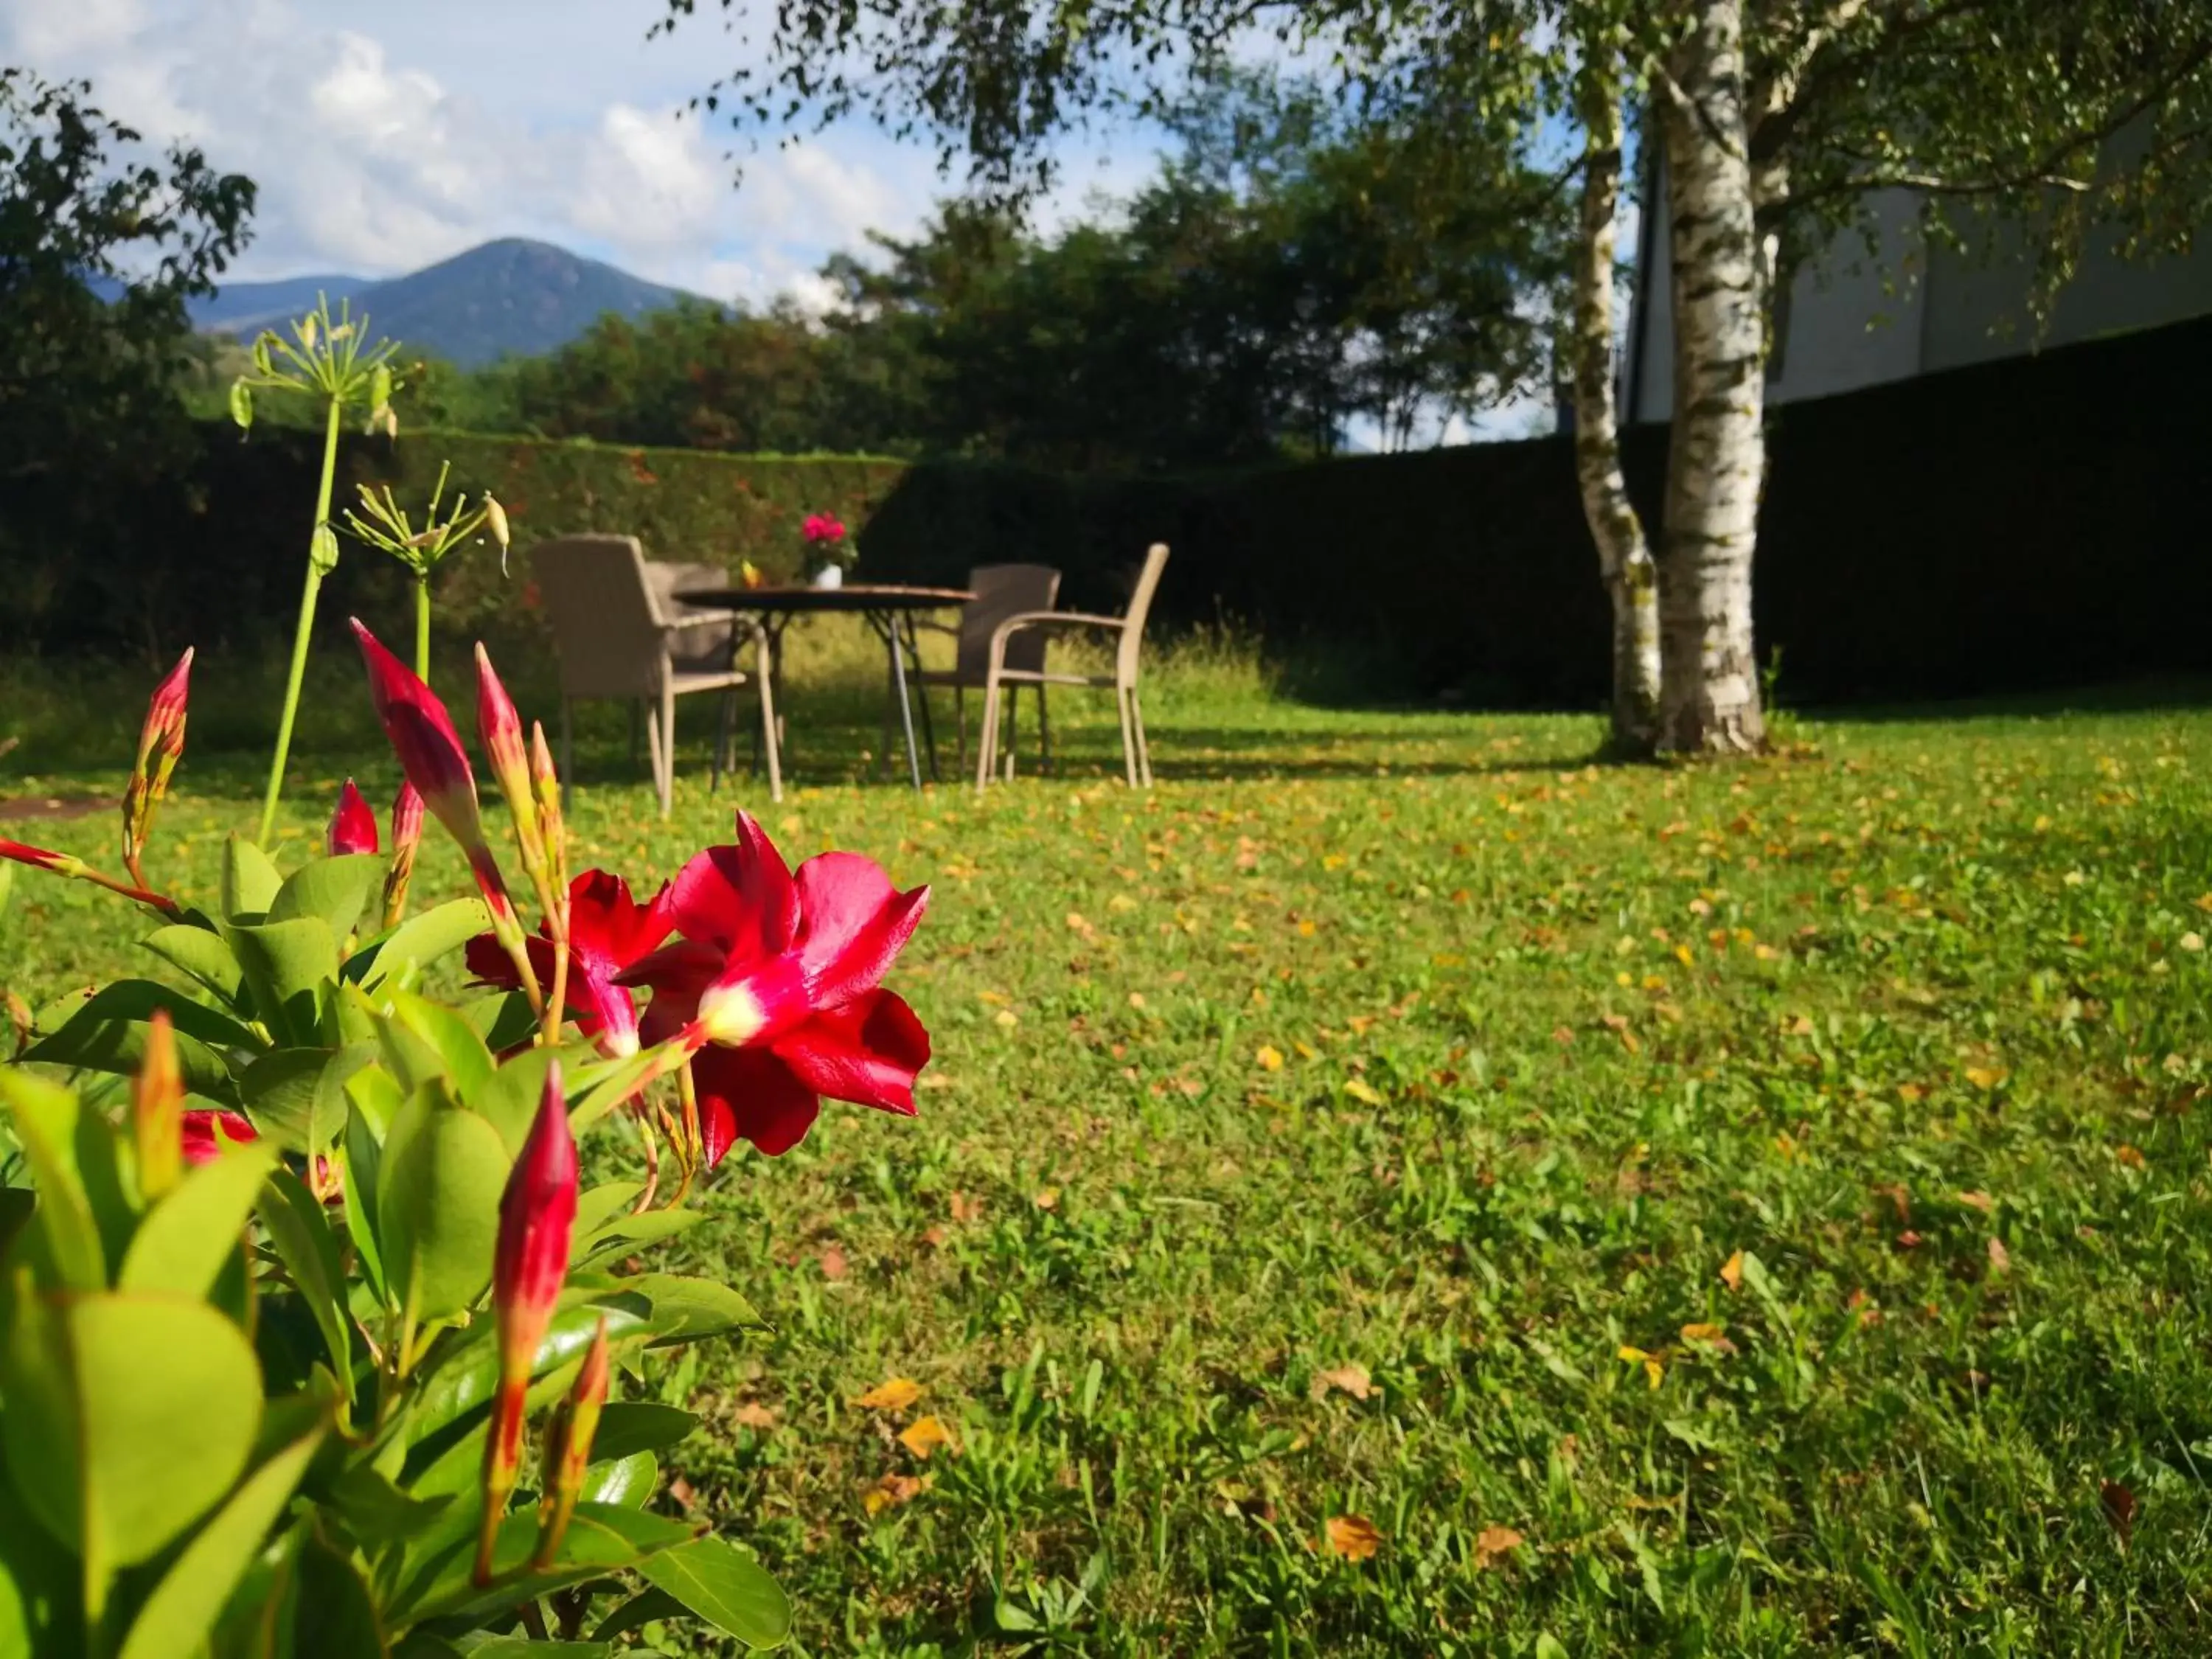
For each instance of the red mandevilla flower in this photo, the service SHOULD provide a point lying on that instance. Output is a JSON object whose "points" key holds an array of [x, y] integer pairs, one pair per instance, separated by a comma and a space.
{"points": [[353, 826], [205, 1133], [608, 932], [775, 985], [37, 857], [536, 1216]]}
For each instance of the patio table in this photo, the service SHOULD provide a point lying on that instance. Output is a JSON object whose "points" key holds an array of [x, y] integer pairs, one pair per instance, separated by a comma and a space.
{"points": [[888, 607]]}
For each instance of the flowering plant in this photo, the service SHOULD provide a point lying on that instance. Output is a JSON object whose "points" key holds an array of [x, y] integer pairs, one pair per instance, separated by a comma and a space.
{"points": [[825, 545], [345, 1219]]}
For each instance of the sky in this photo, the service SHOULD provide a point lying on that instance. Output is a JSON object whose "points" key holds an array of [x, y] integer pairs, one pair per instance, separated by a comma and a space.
{"points": [[386, 137]]}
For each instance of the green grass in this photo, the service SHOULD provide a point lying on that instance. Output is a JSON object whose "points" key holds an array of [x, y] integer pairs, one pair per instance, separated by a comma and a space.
{"points": [[1420, 1044]]}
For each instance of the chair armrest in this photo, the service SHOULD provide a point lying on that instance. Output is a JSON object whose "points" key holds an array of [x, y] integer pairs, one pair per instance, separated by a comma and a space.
{"points": [[1015, 624], [701, 619]]}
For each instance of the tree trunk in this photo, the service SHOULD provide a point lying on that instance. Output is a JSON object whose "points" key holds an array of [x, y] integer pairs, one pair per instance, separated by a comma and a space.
{"points": [[1624, 557], [1717, 459]]}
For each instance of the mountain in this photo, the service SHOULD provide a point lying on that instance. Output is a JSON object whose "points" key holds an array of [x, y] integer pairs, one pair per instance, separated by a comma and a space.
{"points": [[513, 295]]}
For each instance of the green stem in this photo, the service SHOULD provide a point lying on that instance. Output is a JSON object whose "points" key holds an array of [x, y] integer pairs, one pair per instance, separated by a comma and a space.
{"points": [[305, 632], [422, 628]]}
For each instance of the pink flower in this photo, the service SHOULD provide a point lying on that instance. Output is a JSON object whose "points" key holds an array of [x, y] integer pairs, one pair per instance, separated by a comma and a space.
{"points": [[822, 527], [160, 743], [353, 826], [608, 932], [776, 986]]}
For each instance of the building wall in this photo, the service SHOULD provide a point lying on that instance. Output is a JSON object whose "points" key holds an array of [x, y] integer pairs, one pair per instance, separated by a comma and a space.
{"points": [[1861, 315]]}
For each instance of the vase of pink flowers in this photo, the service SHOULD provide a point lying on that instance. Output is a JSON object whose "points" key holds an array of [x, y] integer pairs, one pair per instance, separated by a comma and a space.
{"points": [[827, 550]]}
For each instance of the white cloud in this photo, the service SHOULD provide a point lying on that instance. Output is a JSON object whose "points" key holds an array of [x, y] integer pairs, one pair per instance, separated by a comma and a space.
{"points": [[384, 140]]}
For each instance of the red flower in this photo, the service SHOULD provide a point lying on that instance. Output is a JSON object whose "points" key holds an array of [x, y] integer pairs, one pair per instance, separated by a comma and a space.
{"points": [[776, 986], [207, 1133], [608, 931], [353, 826]]}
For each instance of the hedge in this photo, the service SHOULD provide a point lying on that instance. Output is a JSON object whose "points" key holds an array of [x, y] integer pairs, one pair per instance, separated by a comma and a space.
{"points": [[2028, 523]]}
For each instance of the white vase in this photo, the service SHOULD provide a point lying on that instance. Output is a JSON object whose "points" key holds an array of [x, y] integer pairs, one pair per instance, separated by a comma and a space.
{"points": [[830, 575]]}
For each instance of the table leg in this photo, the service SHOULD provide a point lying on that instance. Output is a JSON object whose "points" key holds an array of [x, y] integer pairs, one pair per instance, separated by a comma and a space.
{"points": [[889, 629], [928, 730]]}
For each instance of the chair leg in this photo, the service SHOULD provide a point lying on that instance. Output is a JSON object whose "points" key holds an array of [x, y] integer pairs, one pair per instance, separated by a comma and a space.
{"points": [[667, 747], [1014, 730], [767, 722], [1144, 749], [1128, 738], [960, 718], [987, 734], [567, 746], [1044, 734], [922, 693], [725, 723], [652, 746]]}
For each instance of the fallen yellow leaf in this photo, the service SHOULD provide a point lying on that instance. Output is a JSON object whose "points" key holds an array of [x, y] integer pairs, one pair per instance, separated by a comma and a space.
{"points": [[1361, 1090], [892, 1491], [1732, 1272], [925, 1435], [1270, 1057], [1348, 1379], [1492, 1543], [895, 1395], [1354, 1537]]}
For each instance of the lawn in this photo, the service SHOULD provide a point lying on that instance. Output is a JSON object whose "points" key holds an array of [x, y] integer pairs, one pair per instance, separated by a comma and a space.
{"points": [[1403, 1186]]}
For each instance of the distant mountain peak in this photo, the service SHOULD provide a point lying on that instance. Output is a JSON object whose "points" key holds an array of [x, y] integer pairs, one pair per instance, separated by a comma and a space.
{"points": [[513, 295]]}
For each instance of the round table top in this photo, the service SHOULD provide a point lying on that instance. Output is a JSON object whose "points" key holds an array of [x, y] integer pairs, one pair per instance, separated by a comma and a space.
{"points": [[852, 596]]}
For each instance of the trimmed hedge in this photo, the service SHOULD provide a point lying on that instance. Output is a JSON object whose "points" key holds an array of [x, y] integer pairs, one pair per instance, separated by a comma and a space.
{"points": [[2023, 524]]}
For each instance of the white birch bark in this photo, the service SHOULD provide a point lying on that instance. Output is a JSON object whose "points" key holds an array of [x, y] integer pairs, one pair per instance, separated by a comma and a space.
{"points": [[1624, 556], [1717, 460]]}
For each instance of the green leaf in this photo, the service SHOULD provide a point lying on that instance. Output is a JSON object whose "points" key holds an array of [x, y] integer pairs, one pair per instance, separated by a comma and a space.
{"points": [[200, 952], [688, 1309], [115, 1459], [601, 1538], [728, 1589], [188, 1236], [338, 1617], [286, 963], [299, 1231], [377, 1512], [46, 1116], [509, 1096], [626, 1233], [279, 1090], [419, 940], [519, 1647], [628, 1481], [361, 1175], [438, 1208], [467, 1062], [502, 1019], [596, 1091], [176, 1619], [106, 1032], [636, 1425], [332, 890], [249, 882], [651, 1606], [39, 1589]]}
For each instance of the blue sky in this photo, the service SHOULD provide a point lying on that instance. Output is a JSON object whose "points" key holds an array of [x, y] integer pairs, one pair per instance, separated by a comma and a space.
{"points": [[385, 137]]}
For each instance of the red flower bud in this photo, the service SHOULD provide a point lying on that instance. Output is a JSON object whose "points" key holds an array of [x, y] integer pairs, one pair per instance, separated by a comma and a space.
{"points": [[406, 836], [569, 1448], [38, 857], [160, 742], [501, 728], [537, 1215], [157, 1111], [353, 826], [431, 754]]}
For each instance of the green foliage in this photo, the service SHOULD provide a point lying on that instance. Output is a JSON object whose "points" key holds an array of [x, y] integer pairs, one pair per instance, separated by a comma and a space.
{"points": [[100, 247]]}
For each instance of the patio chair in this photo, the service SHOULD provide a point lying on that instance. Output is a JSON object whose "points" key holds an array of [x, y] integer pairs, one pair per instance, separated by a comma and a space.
{"points": [[1129, 630], [1001, 591], [617, 636]]}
